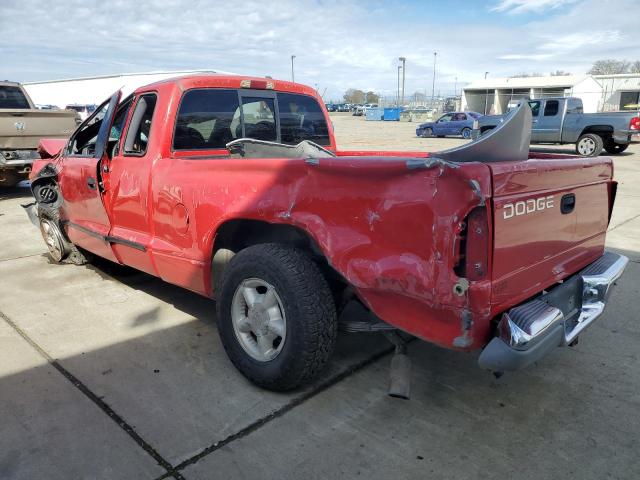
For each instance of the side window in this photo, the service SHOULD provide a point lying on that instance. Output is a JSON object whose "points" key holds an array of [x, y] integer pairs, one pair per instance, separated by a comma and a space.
{"points": [[551, 108], [206, 119], [83, 142], [535, 108], [445, 118], [259, 118], [137, 138], [301, 118]]}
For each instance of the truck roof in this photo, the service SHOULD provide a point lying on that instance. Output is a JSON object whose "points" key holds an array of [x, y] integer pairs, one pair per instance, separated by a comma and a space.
{"points": [[215, 80]]}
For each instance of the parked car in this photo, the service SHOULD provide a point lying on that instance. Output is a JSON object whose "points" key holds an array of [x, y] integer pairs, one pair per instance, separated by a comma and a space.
{"points": [[361, 110], [46, 107], [344, 107], [331, 107], [22, 125], [561, 120], [454, 123], [502, 251], [84, 110]]}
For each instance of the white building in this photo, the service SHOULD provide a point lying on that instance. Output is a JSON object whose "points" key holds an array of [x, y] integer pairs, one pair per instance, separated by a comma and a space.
{"points": [[94, 90], [620, 92], [492, 95]]}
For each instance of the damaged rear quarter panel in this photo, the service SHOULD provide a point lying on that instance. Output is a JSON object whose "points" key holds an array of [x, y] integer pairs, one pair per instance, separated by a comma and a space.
{"points": [[387, 229]]}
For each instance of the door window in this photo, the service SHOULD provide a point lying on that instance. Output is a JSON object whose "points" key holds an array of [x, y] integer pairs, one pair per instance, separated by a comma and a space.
{"points": [[83, 142], [551, 108], [137, 139], [535, 108], [445, 118]]}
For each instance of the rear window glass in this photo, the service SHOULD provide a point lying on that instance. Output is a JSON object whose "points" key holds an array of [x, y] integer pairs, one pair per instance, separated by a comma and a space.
{"points": [[205, 119], [301, 118], [259, 118], [12, 97]]}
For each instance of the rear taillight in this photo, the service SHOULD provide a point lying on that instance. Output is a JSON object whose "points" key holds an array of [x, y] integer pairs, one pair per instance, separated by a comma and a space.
{"points": [[473, 262], [634, 124]]}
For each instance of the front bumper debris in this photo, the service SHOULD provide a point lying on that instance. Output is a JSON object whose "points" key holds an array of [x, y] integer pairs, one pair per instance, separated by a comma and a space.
{"points": [[528, 332]]}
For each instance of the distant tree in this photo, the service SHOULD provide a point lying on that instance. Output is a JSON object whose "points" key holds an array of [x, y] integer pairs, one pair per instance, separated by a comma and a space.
{"points": [[635, 67], [609, 67], [559, 73], [354, 95], [372, 97]]}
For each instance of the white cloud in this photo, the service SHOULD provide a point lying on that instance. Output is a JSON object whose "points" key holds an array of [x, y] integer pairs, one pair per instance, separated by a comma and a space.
{"points": [[338, 44], [524, 6]]}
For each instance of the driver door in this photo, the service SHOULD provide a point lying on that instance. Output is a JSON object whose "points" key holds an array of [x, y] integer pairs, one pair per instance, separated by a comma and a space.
{"points": [[441, 127], [83, 212]]}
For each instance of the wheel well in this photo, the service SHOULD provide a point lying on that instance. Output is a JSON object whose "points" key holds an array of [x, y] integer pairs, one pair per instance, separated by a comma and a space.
{"points": [[604, 131], [235, 235]]}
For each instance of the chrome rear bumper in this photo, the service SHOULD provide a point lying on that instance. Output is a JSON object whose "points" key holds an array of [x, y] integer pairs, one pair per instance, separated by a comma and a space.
{"points": [[529, 331]]}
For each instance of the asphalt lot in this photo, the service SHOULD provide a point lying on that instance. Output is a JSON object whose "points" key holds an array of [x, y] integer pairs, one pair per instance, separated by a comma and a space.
{"points": [[106, 373]]}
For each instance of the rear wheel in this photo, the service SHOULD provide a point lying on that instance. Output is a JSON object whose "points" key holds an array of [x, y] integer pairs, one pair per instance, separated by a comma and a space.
{"points": [[614, 148], [589, 145], [466, 133], [276, 316]]}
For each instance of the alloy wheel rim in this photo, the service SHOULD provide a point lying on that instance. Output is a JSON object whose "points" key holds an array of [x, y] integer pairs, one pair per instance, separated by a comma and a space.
{"points": [[51, 239], [587, 146], [258, 319]]}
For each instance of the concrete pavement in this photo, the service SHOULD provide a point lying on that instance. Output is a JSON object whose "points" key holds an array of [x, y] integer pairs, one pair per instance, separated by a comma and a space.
{"points": [[110, 373]]}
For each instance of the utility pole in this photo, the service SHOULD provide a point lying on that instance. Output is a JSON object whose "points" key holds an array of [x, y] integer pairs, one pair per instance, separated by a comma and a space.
{"points": [[293, 78], [485, 75], [398, 94], [403, 60], [433, 84], [455, 88]]}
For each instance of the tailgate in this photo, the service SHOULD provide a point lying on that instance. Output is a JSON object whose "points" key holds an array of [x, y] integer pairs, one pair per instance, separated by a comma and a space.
{"points": [[550, 219], [23, 129]]}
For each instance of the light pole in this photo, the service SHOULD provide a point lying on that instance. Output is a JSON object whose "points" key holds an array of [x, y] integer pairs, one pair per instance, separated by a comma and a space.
{"points": [[433, 84], [398, 94], [455, 88], [403, 60], [293, 78], [485, 75]]}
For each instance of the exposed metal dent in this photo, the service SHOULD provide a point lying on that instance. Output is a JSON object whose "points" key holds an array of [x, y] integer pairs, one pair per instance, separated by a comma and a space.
{"points": [[509, 141], [430, 162], [475, 186], [465, 339]]}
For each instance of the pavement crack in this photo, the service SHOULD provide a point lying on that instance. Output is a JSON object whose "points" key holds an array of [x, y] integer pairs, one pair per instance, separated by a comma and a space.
{"points": [[101, 404], [22, 256], [322, 386], [624, 223]]}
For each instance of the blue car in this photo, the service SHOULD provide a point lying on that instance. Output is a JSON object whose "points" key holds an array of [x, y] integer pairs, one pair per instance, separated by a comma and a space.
{"points": [[454, 123]]}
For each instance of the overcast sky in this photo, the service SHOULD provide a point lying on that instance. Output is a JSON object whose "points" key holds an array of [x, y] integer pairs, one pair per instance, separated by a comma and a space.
{"points": [[338, 44]]}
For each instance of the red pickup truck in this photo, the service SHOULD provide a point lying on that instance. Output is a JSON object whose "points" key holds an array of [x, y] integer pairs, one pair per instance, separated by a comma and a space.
{"points": [[234, 188]]}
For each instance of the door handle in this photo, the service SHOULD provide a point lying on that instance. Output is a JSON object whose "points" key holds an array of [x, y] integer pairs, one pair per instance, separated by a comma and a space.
{"points": [[91, 182], [568, 203]]}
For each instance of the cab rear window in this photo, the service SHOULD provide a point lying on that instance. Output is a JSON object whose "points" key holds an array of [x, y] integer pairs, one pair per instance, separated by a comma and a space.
{"points": [[12, 97], [210, 118], [301, 119]]}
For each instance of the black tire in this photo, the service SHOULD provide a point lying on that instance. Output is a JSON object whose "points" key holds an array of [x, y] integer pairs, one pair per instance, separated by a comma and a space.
{"points": [[466, 133], [615, 148], [427, 132], [589, 145], [311, 324]]}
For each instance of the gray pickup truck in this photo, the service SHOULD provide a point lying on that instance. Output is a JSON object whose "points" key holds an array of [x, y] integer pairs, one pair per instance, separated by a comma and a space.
{"points": [[22, 126], [561, 120]]}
